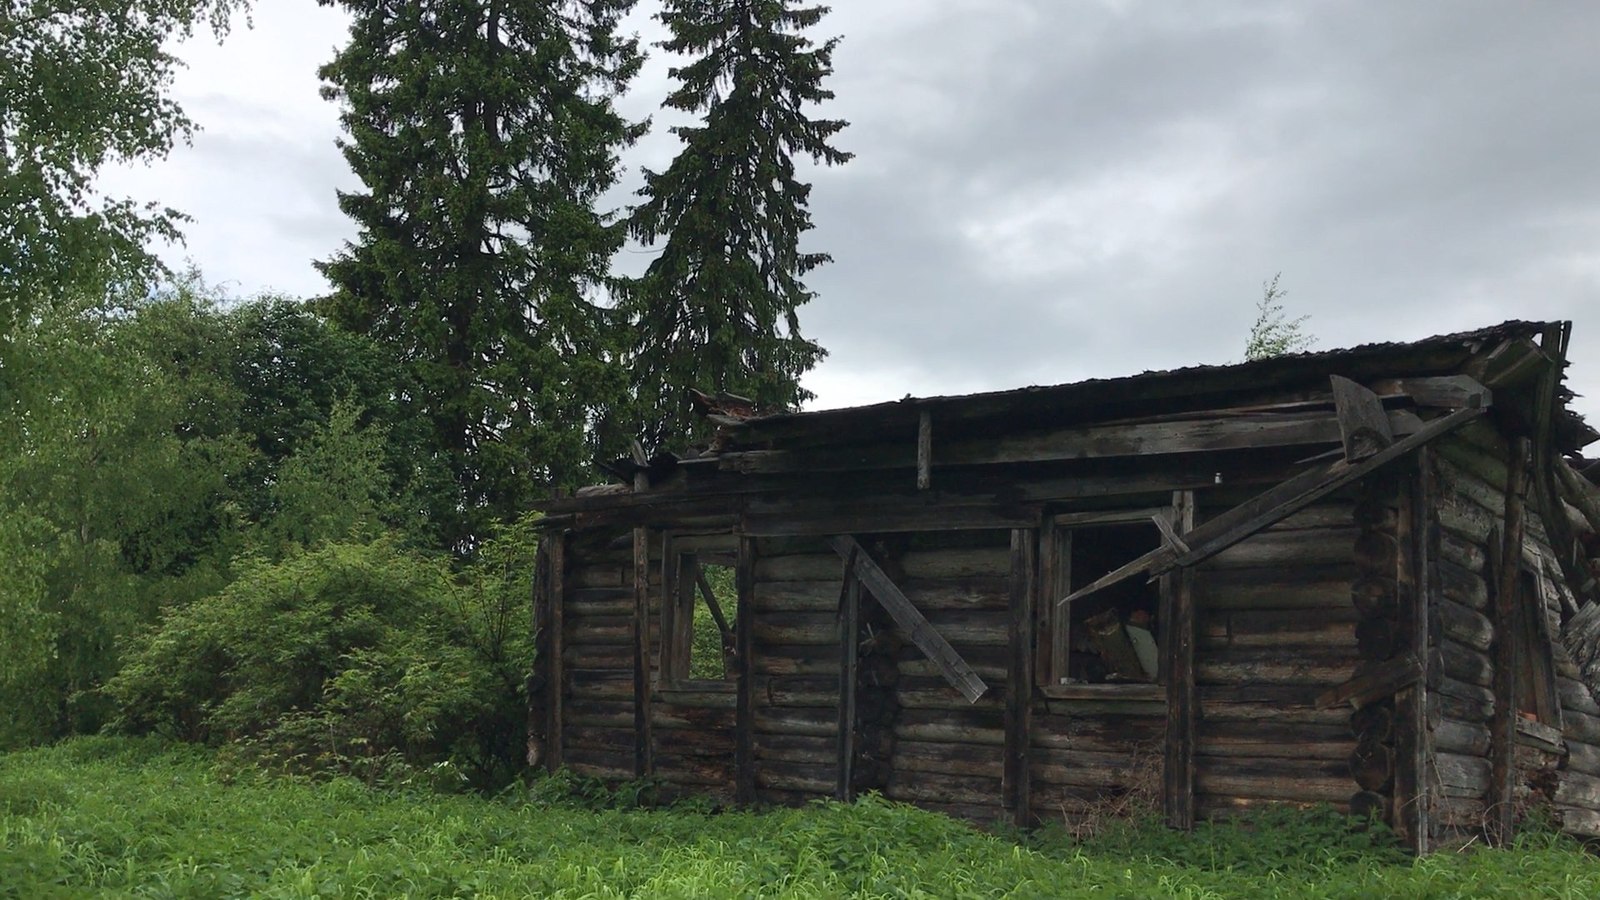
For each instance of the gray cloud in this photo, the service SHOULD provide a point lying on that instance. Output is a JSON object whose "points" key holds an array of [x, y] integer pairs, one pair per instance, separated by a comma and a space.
{"points": [[1046, 191]]}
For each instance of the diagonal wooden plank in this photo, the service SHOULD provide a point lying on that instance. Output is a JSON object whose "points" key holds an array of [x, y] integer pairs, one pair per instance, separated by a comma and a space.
{"points": [[1273, 506], [911, 621]]}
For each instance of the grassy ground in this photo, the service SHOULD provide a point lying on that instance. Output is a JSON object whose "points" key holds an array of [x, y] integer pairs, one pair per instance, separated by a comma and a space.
{"points": [[102, 817]]}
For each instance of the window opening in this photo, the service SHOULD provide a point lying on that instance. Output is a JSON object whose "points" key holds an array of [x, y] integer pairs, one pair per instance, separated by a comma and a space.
{"points": [[1111, 636], [1537, 698], [698, 621]]}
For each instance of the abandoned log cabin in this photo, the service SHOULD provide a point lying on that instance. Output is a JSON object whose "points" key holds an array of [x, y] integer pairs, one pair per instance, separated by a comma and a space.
{"points": [[1363, 577]]}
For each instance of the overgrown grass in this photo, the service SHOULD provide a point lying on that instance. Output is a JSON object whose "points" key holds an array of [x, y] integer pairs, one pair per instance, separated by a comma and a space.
{"points": [[109, 817]]}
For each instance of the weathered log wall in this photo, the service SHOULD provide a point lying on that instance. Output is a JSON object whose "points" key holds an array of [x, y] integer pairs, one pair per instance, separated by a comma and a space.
{"points": [[1557, 767], [1276, 626]]}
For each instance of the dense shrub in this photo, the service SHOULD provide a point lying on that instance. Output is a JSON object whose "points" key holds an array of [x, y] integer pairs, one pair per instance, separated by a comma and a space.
{"points": [[356, 656]]}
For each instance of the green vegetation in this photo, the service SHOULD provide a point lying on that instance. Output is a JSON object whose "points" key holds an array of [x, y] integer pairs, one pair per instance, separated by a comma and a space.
{"points": [[119, 816], [717, 309], [1272, 334]]}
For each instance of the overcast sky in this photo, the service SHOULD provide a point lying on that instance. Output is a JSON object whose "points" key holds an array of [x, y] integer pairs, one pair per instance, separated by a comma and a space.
{"points": [[1048, 191]]}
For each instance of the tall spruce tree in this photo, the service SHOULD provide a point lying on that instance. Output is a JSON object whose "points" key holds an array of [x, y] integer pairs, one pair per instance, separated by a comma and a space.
{"points": [[717, 309], [484, 133]]}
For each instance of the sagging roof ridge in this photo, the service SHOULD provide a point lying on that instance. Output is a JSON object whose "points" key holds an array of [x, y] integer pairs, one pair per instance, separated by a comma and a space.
{"points": [[1507, 330]]}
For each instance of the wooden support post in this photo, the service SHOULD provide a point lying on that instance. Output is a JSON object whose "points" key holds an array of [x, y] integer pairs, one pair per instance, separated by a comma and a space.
{"points": [[555, 670], [1015, 784], [924, 450], [744, 771], [849, 648], [915, 625], [641, 653], [1414, 591], [1178, 620], [1363, 425], [1503, 726]]}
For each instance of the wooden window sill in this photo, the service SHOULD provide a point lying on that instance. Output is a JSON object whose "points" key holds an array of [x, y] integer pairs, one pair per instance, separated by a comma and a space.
{"points": [[1123, 691]]}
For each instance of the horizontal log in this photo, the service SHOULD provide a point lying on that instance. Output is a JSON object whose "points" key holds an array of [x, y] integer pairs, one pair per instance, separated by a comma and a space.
{"points": [[1465, 519], [1114, 707], [1443, 706], [1375, 553], [599, 629], [793, 747], [1485, 466], [1578, 789], [596, 736], [1576, 696], [592, 769], [691, 717], [1250, 590], [1379, 639], [797, 777], [1223, 737], [1220, 808], [813, 516], [799, 567], [1459, 812], [1303, 781], [1255, 667], [951, 759], [706, 698], [1463, 585], [1463, 738], [1375, 720], [977, 562], [789, 659], [797, 690], [922, 693], [616, 657], [1462, 776], [600, 715], [1099, 770], [1100, 734], [920, 787], [950, 732], [1373, 682], [1375, 596], [820, 722], [1292, 549], [1580, 726], [1372, 805], [1460, 482], [616, 575], [681, 768], [1467, 555], [993, 672], [598, 602], [1580, 822], [1282, 629], [1465, 625], [1457, 660], [1232, 432], [1372, 765], [1584, 758]]}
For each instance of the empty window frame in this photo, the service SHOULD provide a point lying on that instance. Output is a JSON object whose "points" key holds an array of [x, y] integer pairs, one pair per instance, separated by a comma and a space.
{"points": [[1114, 635], [1537, 696], [698, 610]]}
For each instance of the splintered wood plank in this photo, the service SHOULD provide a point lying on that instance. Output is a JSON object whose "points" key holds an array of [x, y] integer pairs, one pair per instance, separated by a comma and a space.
{"points": [[1363, 425], [910, 620], [1273, 506]]}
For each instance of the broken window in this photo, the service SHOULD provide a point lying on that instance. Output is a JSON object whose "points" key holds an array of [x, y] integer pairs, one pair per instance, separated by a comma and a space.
{"points": [[1537, 698], [1112, 635], [697, 617]]}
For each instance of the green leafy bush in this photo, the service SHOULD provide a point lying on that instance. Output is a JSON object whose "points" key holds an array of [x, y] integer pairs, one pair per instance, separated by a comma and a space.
{"points": [[357, 657]]}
